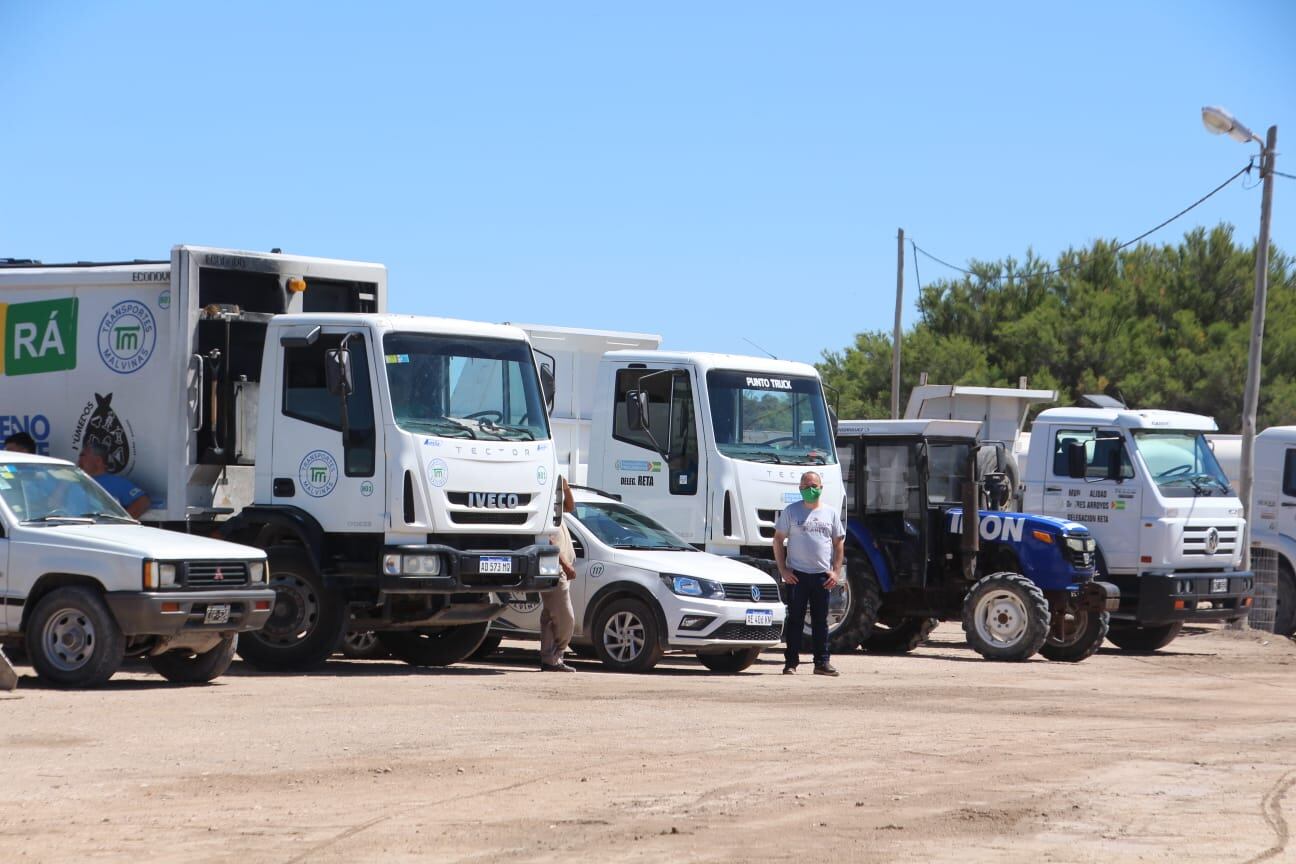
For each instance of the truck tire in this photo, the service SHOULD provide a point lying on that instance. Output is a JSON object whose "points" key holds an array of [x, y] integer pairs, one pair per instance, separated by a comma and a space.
{"points": [[186, 667], [1076, 635], [363, 645], [860, 595], [1285, 602], [1142, 640], [73, 639], [434, 646], [1006, 617], [488, 646], [626, 636], [730, 662], [306, 624], [898, 635]]}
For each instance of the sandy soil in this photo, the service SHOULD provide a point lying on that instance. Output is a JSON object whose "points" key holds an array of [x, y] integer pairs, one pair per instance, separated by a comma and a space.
{"points": [[1186, 755]]}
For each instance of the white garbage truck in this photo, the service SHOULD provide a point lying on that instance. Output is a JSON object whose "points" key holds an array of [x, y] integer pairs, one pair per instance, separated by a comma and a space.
{"points": [[711, 445], [398, 470], [1144, 482]]}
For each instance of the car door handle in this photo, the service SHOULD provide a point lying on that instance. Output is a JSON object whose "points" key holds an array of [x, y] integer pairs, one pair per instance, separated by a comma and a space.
{"points": [[1052, 488], [1289, 503]]}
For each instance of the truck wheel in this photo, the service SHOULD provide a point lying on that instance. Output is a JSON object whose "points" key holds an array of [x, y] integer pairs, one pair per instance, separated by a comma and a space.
{"points": [[1285, 602], [730, 662], [898, 635], [626, 636], [1075, 635], [186, 667], [363, 645], [1006, 617], [488, 646], [434, 646], [73, 640], [1132, 637], [306, 624], [852, 605]]}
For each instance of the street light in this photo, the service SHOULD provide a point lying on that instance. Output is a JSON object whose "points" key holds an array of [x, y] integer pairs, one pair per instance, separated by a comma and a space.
{"points": [[1221, 122]]}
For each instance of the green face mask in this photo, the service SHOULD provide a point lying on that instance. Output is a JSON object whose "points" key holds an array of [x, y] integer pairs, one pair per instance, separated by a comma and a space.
{"points": [[811, 494]]}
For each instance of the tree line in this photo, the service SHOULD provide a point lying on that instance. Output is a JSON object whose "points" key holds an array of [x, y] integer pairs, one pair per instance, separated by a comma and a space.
{"points": [[1157, 326]]}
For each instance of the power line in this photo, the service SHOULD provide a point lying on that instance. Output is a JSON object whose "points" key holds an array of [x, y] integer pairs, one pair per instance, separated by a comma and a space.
{"points": [[1288, 176], [1243, 170]]}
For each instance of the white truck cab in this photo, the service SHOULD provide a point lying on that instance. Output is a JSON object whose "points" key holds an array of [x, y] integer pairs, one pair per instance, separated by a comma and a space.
{"points": [[1169, 526], [83, 585], [398, 470]]}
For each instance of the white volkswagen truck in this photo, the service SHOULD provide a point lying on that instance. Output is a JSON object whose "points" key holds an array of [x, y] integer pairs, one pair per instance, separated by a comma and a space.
{"points": [[83, 585], [397, 470]]}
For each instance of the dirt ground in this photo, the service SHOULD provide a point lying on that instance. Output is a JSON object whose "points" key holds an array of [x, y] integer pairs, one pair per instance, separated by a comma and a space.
{"points": [[1186, 755]]}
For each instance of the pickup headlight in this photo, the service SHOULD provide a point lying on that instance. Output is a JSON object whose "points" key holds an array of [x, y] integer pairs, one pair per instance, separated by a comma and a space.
{"points": [[691, 586], [256, 572], [158, 575]]}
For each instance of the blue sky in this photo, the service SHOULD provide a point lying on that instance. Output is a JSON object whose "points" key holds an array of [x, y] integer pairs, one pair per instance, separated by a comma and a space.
{"points": [[712, 172]]}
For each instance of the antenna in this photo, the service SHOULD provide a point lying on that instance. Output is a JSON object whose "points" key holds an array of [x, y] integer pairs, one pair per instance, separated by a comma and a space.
{"points": [[758, 348]]}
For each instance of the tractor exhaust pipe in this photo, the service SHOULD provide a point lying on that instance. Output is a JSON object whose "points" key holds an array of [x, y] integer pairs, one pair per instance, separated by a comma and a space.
{"points": [[970, 536]]}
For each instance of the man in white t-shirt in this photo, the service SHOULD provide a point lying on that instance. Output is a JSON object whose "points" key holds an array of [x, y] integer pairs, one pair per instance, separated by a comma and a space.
{"points": [[812, 565]]}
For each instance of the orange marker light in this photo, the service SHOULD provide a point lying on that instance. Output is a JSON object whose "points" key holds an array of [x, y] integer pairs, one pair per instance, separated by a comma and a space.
{"points": [[170, 607], [1179, 604], [262, 605], [296, 285], [1042, 536]]}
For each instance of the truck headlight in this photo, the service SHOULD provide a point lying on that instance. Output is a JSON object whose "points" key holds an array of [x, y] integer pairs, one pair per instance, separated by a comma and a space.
{"points": [[691, 586], [256, 571], [422, 565], [549, 565]]}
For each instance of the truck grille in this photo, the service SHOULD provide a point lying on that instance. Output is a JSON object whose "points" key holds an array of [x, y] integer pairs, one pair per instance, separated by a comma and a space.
{"points": [[765, 520], [1198, 540], [743, 633], [215, 574], [503, 501], [768, 593], [488, 517]]}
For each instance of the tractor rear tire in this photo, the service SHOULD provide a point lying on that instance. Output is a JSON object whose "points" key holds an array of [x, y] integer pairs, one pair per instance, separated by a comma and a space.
{"points": [[900, 636], [1085, 632], [863, 599], [1142, 640], [1006, 617]]}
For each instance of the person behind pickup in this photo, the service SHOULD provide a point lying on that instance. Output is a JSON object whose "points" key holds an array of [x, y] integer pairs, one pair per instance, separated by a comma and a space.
{"points": [[94, 461], [811, 564], [20, 442]]}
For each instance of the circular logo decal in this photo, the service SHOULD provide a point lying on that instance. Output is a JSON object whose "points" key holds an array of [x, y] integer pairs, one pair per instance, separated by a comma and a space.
{"points": [[366, 488], [542, 476], [438, 472], [318, 473], [523, 603], [596, 570], [127, 336]]}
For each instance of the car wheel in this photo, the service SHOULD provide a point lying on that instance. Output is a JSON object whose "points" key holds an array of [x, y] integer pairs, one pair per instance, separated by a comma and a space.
{"points": [[187, 667], [73, 639], [627, 637]]}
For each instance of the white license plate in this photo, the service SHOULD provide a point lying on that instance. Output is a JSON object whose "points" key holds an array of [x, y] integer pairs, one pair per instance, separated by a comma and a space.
{"points": [[217, 613], [495, 565], [759, 618], [1219, 586]]}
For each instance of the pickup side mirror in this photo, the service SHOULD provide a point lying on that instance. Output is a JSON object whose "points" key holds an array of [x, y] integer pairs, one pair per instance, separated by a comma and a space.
{"points": [[636, 403], [337, 372], [1077, 460]]}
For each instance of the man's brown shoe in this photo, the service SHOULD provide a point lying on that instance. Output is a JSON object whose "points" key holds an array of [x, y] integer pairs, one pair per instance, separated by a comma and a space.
{"points": [[827, 669]]}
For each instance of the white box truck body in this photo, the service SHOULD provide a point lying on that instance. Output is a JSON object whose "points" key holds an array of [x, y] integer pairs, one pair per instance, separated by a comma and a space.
{"points": [[398, 469]]}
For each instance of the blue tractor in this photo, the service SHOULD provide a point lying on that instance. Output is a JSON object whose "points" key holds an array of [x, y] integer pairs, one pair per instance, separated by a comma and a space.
{"points": [[1020, 584]]}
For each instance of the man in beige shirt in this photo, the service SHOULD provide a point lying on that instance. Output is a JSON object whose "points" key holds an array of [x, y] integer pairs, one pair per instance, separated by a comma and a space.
{"points": [[557, 622]]}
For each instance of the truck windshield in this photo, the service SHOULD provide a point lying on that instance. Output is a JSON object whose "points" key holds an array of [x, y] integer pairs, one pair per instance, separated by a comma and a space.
{"points": [[1181, 463], [46, 492], [770, 418], [623, 528], [464, 387]]}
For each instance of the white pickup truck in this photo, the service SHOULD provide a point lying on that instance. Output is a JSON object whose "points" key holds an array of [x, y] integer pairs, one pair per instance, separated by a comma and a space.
{"points": [[83, 585]]}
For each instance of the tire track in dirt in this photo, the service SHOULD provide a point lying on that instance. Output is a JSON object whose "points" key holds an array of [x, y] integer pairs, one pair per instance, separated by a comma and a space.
{"points": [[1271, 810]]}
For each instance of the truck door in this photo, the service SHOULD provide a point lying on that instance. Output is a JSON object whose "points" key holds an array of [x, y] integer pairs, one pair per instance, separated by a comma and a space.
{"points": [[1108, 506], [314, 468], [658, 466], [1286, 512], [5, 608]]}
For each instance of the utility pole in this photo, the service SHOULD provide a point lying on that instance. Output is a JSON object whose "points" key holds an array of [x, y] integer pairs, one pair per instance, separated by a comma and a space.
{"points": [[1251, 398], [895, 337]]}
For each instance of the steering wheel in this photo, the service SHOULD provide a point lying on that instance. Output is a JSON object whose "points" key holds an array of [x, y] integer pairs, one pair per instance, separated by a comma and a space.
{"points": [[497, 416], [785, 438], [1176, 471]]}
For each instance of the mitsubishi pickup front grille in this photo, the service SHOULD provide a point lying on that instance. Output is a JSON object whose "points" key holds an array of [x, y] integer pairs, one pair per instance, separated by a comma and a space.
{"points": [[215, 574], [1207, 540]]}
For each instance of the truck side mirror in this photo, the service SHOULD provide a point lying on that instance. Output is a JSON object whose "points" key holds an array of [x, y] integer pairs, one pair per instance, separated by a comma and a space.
{"points": [[1077, 461], [548, 377], [636, 402], [337, 372], [1114, 465]]}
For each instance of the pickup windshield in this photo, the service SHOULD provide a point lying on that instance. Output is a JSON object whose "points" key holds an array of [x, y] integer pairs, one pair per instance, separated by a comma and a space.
{"points": [[759, 417], [622, 528], [464, 387], [1181, 463], [49, 492]]}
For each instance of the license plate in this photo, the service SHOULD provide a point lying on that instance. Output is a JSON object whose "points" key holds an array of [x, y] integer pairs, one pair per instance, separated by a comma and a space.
{"points": [[759, 618], [217, 613], [1219, 586], [495, 565]]}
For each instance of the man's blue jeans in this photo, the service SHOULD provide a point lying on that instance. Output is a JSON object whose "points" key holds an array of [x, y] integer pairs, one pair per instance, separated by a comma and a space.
{"points": [[808, 591]]}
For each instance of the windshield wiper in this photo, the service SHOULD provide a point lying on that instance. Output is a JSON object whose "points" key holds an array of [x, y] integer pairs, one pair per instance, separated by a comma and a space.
{"points": [[443, 426], [51, 518], [113, 516], [522, 433]]}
